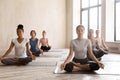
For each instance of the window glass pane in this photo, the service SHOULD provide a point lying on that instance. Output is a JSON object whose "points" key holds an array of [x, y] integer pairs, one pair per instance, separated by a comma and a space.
{"points": [[85, 22], [93, 2], [117, 0], [99, 1], [99, 18], [93, 18], [84, 3], [117, 21]]}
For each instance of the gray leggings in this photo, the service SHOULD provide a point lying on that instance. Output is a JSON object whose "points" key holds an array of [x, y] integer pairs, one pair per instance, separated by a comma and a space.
{"points": [[18, 61], [93, 66]]}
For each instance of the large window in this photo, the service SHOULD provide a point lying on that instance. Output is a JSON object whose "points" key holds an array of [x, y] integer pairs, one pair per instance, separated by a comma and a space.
{"points": [[117, 20], [91, 14]]}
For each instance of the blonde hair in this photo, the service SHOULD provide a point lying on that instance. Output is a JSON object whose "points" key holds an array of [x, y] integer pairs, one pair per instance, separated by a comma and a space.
{"points": [[97, 30], [90, 32]]}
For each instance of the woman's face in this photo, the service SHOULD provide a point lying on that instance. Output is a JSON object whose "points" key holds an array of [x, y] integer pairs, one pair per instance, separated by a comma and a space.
{"points": [[91, 32], [44, 34], [80, 31], [20, 33], [33, 34], [97, 32]]}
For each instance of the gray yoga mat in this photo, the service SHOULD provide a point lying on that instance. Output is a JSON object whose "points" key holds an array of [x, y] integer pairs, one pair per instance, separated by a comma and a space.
{"points": [[47, 64]]}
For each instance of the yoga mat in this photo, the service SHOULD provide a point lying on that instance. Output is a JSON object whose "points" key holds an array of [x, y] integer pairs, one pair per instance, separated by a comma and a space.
{"points": [[111, 58], [46, 64], [111, 68], [48, 54], [53, 54]]}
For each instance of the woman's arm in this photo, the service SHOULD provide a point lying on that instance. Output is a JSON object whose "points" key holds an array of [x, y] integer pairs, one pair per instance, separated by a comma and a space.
{"points": [[29, 52], [9, 50], [68, 58], [38, 45], [98, 44], [92, 55], [104, 44], [40, 42], [47, 42], [94, 58]]}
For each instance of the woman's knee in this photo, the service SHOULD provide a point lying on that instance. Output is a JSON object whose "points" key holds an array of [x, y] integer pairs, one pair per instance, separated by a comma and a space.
{"points": [[69, 67], [94, 66], [8, 61], [3, 61], [24, 61]]}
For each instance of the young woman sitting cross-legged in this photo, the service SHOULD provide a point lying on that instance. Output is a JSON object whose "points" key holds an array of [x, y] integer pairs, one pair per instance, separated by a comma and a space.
{"points": [[22, 50], [79, 48]]}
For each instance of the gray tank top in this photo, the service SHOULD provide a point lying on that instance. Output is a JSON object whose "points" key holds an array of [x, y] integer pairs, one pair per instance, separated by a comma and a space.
{"points": [[80, 47], [94, 45]]}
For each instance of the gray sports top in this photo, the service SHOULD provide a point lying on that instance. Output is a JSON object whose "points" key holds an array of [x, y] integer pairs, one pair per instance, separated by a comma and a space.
{"points": [[80, 47], [94, 45]]}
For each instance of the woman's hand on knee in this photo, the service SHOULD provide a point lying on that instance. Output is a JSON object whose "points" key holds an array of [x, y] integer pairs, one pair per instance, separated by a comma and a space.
{"points": [[1, 58], [33, 57], [62, 66], [101, 65], [41, 51], [76, 64]]}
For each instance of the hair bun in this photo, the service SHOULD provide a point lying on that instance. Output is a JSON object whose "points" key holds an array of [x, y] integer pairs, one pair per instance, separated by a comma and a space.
{"points": [[20, 26]]}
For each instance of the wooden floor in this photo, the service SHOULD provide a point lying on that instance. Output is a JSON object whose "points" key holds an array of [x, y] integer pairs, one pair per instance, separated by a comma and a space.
{"points": [[44, 66]]}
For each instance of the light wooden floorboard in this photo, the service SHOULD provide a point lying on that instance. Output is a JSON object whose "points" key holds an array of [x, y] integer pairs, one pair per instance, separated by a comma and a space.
{"points": [[45, 72]]}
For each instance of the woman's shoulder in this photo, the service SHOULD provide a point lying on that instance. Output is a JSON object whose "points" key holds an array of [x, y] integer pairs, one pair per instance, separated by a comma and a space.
{"points": [[36, 39], [26, 39], [14, 39], [87, 40], [74, 40], [41, 38]]}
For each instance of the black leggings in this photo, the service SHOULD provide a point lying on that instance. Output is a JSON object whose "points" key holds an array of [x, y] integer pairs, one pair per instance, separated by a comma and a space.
{"points": [[18, 61], [97, 54], [37, 54], [45, 48], [93, 66]]}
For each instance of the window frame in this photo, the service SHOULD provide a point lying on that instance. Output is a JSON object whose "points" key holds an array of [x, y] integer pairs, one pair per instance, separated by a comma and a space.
{"points": [[115, 27], [88, 9]]}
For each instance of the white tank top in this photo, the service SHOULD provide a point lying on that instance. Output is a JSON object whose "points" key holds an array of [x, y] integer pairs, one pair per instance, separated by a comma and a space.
{"points": [[20, 48]]}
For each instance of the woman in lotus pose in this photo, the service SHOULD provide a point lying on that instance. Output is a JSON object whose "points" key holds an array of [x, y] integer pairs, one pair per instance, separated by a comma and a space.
{"points": [[79, 48], [34, 44], [21, 45], [101, 41], [97, 51], [44, 41]]}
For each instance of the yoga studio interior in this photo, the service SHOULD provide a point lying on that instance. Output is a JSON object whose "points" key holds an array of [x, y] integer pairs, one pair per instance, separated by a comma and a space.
{"points": [[67, 25]]}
